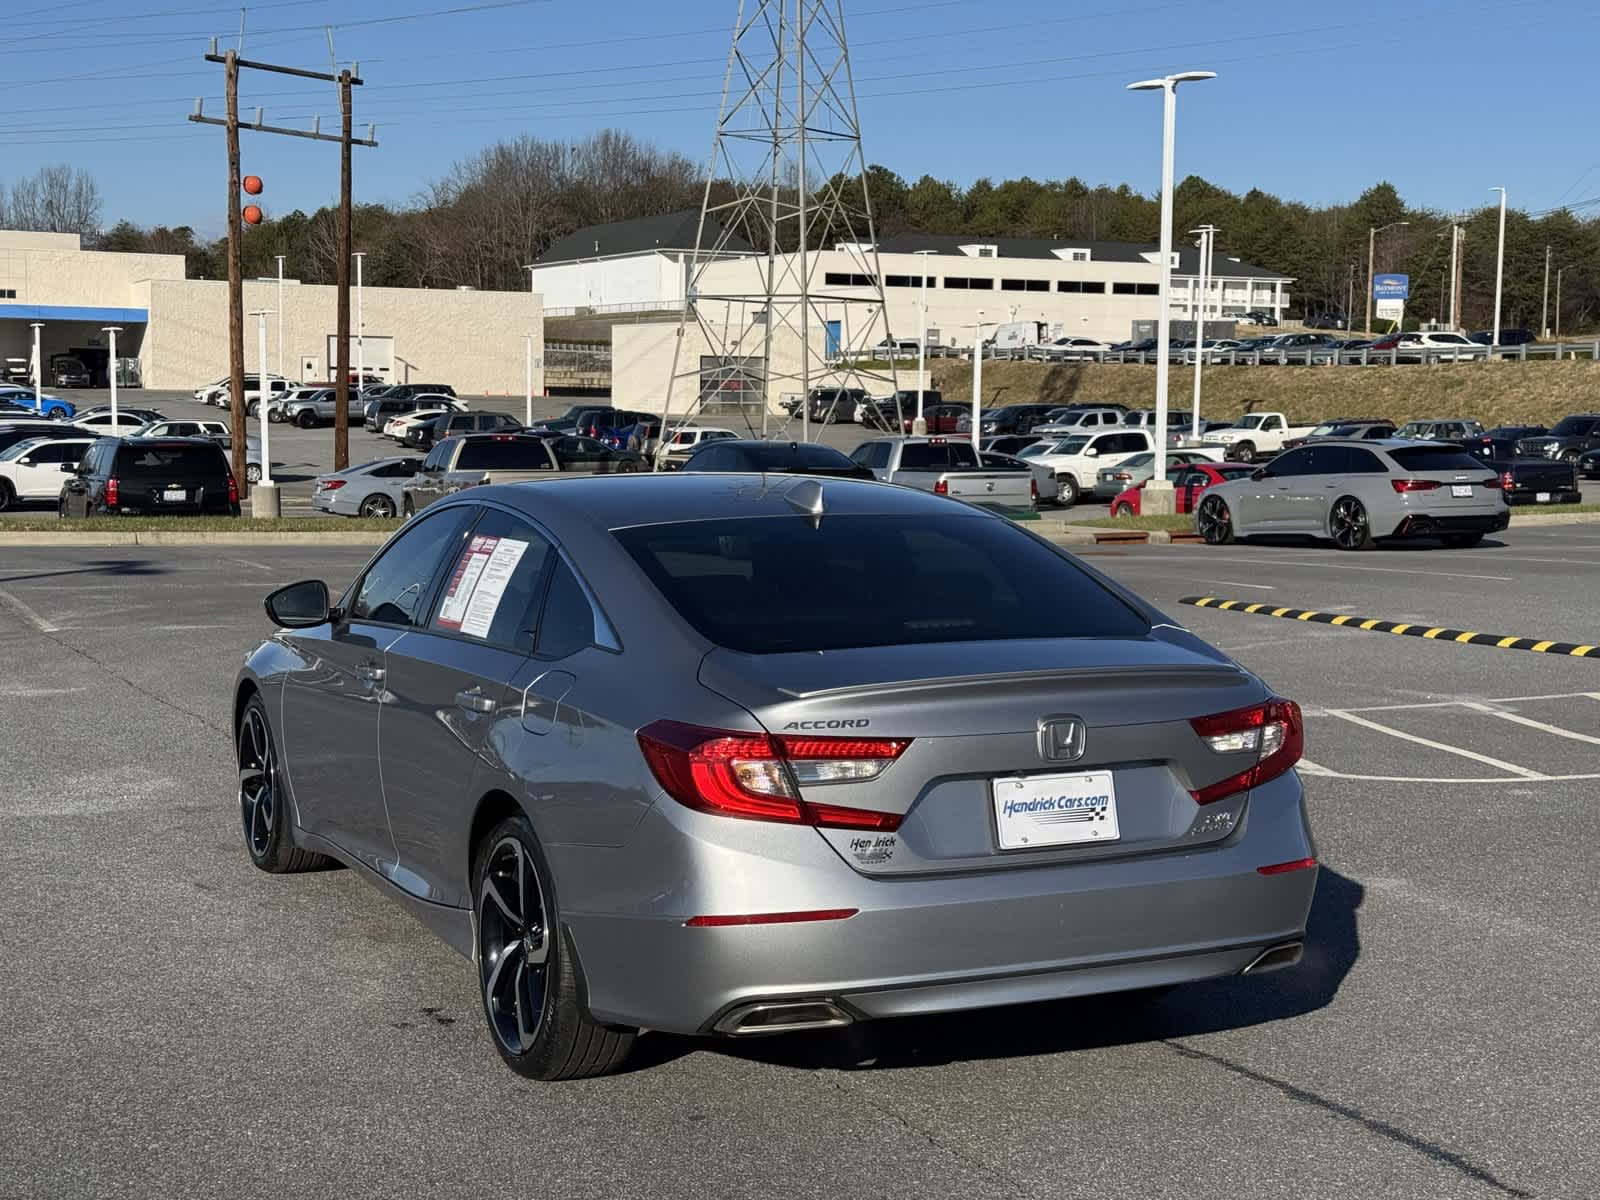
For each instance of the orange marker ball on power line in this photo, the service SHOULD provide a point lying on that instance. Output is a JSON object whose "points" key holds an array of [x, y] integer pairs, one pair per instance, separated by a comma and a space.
{"points": [[252, 214], [252, 184]]}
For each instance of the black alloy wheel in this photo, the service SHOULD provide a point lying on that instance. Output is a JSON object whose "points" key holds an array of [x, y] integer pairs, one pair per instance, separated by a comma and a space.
{"points": [[1348, 525], [1215, 521], [261, 809], [527, 970], [8, 497]]}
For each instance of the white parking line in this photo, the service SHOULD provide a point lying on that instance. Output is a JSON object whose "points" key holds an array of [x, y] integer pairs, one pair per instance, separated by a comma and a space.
{"points": [[1263, 587], [1476, 700], [40, 625], [1517, 718], [1317, 771], [1485, 759]]}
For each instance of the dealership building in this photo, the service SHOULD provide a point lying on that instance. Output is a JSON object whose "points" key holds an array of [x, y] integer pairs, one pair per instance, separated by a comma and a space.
{"points": [[1067, 287], [172, 331]]}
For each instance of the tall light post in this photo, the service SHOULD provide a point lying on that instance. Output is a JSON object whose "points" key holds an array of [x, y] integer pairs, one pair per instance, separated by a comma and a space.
{"points": [[977, 379], [1208, 235], [919, 425], [1544, 308], [361, 328], [38, 368], [1372, 244], [280, 259], [1559, 272], [1499, 265], [527, 386], [264, 500], [111, 332], [1159, 498]]}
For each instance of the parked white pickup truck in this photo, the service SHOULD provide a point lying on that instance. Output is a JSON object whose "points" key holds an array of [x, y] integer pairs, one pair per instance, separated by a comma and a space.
{"points": [[1076, 460], [946, 467], [1257, 436]]}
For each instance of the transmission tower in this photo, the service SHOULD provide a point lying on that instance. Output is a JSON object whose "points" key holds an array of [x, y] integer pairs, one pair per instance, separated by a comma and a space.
{"points": [[787, 181]]}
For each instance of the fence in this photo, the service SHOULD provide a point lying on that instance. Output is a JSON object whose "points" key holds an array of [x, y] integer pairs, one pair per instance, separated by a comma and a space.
{"points": [[1320, 356]]}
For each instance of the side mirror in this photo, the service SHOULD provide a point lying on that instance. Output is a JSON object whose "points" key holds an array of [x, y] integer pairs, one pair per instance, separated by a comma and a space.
{"points": [[299, 605], [1260, 473], [1091, 452], [69, 468]]}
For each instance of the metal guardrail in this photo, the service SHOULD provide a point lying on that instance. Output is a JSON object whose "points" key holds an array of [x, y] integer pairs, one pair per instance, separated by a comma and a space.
{"points": [[1320, 357], [584, 310]]}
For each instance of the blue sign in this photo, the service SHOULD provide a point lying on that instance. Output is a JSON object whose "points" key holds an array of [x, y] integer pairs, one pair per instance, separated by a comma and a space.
{"points": [[1391, 287]]}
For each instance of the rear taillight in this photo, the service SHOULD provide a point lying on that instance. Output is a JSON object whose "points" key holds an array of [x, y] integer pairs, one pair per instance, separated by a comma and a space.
{"points": [[233, 490], [332, 485], [1033, 489], [1274, 732], [111, 490], [1122, 475], [1504, 481], [759, 778], [942, 488], [1414, 485]]}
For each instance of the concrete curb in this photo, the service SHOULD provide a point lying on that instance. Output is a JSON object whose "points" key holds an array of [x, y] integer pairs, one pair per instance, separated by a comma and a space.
{"points": [[157, 538], [1555, 518]]}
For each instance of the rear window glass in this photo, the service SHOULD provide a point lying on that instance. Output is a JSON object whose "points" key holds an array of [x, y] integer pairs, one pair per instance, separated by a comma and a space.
{"points": [[133, 462], [775, 585], [803, 454], [509, 453], [1434, 458]]}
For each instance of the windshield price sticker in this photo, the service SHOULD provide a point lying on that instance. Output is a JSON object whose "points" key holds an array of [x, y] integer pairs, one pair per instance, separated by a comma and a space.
{"points": [[479, 583]]}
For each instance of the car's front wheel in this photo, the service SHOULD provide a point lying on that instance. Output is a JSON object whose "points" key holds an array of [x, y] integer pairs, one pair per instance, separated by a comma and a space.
{"points": [[1243, 452], [305, 420], [1215, 522], [527, 974], [1571, 456], [1123, 510], [262, 811]]}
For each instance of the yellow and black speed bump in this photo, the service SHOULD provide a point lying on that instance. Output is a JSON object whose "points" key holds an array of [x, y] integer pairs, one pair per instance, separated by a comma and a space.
{"points": [[1373, 625]]}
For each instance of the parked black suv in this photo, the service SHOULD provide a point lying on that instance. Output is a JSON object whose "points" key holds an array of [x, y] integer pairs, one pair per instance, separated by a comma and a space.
{"points": [[594, 420], [892, 413], [830, 405], [1015, 418], [424, 434], [404, 391], [150, 477], [1567, 440]]}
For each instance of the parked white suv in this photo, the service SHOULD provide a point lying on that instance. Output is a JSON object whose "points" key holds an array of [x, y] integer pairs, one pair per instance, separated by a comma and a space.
{"points": [[1081, 420], [1075, 460]]}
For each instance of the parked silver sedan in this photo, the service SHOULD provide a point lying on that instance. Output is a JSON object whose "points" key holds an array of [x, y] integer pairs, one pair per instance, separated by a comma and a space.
{"points": [[370, 489], [716, 754], [1355, 492]]}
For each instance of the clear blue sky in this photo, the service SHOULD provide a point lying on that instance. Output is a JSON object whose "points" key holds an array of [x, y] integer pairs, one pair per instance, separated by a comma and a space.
{"points": [[1443, 98]]}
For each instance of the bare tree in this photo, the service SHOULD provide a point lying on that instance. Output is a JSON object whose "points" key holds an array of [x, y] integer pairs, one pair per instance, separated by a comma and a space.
{"points": [[58, 199]]}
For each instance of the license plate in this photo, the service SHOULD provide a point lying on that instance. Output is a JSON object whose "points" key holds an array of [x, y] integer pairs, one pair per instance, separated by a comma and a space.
{"points": [[174, 494], [1055, 810], [1542, 497], [1461, 490]]}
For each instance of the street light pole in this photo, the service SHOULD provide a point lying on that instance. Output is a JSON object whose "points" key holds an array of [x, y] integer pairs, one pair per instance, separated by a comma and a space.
{"points": [[977, 380], [1208, 235], [1499, 265], [1455, 248], [527, 387], [1372, 242], [361, 328], [38, 371], [1159, 496], [280, 258], [1559, 272], [111, 332], [1544, 308], [919, 425], [264, 500]]}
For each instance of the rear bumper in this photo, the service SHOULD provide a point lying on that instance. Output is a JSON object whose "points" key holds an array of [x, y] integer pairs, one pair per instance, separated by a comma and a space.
{"points": [[1424, 524], [1563, 493], [930, 944]]}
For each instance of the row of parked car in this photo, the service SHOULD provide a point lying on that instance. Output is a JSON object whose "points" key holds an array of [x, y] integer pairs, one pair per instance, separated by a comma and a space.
{"points": [[1314, 348]]}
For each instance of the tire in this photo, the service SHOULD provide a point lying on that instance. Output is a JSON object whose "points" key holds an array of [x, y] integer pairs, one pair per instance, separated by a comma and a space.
{"points": [[1349, 526], [305, 420], [377, 507], [1066, 491], [251, 409], [1214, 521], [627, 467], [252, 473], [527, 971], [8, 497], [264, 818], [1123, 510], [1571, 456], [58, 414], [410, 509], [1242, 452], [1461, 541]]}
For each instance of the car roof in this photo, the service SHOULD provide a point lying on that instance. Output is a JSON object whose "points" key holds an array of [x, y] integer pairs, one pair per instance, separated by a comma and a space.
{"points": [[617, 501], [1385, 443]]}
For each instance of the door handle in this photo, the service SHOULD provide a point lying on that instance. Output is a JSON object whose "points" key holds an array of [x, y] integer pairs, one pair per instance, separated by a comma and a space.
{"points": [[370, 673], [475, 701]]}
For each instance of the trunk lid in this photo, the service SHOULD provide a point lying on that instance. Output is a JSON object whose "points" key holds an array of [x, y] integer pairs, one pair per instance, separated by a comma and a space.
{"points": [[976, 713]]}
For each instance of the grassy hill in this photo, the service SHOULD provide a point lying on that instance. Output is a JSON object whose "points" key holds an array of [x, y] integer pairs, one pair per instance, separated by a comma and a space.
{"points": [[1501, 393]]}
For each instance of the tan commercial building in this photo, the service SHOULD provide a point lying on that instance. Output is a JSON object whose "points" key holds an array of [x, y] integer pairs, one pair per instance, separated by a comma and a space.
{"points": [[173, 330]]}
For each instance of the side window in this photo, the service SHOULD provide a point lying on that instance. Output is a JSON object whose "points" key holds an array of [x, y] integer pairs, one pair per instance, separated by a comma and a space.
{"points": [[493, 588], [1362, 462], [1296, 462], [436, 458], [1196, 479], [396, 587], [1326, 460], [567, 623]]}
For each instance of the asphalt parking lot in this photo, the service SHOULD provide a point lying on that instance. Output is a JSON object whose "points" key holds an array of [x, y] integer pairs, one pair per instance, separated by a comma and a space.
{"points": [[177, 1023]]}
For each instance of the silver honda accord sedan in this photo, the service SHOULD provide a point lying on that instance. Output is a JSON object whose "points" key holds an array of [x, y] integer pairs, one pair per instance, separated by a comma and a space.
{"points": [[731, 754]]}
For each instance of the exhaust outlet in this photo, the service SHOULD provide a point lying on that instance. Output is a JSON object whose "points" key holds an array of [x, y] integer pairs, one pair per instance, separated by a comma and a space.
{"points": [[1275, 958], [790, 1016]]}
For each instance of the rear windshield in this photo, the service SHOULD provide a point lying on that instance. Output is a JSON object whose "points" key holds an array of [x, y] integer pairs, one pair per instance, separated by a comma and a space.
{"points": [[805, 454], [936, 456], [515, 454], [774, 585], [143, 461], [1434, 458]]}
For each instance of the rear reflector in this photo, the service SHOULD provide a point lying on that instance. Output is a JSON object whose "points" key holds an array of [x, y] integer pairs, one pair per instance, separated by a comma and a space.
{"points": [[112, 489], [1414, 485], [759, 777], [1274, 732], [776, 918], [233, 489], [1283, 868]]}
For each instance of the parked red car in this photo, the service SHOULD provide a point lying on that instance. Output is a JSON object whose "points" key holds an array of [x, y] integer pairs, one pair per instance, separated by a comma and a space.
{"points": [[1188, 481], [944, 418]]}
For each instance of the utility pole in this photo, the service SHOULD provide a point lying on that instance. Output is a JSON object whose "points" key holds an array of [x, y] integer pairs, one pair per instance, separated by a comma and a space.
{"points": [[1559, 272], [1208, 234], [280, 258], [1455, 276], [1350, 301], [1544, 311], [1499, 267], [346, 79]]}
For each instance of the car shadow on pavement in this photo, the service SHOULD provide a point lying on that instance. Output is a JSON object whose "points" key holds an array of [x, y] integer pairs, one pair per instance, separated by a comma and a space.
{"points": [[1086, 1023], [111, 566]]}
